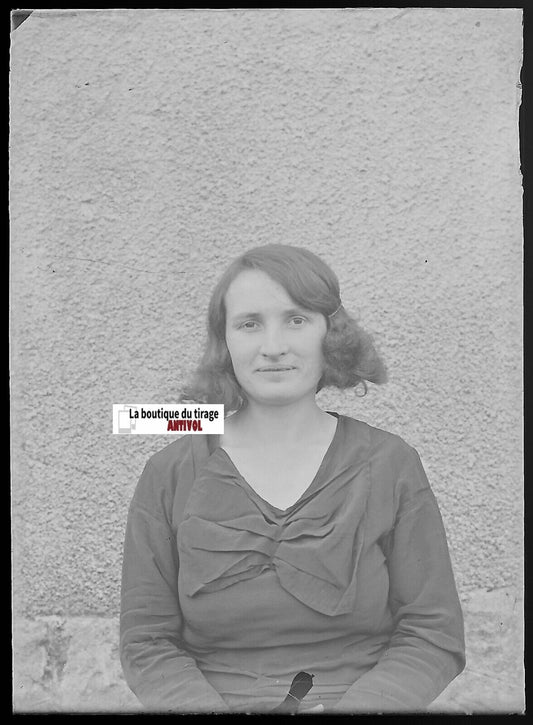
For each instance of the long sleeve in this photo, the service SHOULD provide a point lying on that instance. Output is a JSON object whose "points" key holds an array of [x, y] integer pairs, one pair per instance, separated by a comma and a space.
{"points": [[158, 670], [426, 650]]}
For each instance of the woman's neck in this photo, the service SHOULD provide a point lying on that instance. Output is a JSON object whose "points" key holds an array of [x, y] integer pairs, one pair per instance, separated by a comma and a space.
{"points": [[279, 425]]}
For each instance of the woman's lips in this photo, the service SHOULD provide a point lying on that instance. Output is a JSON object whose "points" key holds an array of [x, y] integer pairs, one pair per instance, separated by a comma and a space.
{"points": [[276, 369]]}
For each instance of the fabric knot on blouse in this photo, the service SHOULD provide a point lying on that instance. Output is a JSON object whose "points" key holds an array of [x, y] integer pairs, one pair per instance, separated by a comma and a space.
{"points": [[230, 534]]}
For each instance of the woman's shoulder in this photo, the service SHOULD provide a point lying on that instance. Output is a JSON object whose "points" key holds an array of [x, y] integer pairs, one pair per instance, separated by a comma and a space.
{"points": [[377, 439], [168, 473], [395, 469], [395, 465], [177, 452]]}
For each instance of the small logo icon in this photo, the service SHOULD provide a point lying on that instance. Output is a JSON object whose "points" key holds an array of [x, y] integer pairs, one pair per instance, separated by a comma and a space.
{"points": [[126, 423]]}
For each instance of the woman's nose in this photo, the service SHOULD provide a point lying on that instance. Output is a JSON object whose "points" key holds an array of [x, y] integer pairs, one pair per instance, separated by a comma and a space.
{"points": [[273, 342]]}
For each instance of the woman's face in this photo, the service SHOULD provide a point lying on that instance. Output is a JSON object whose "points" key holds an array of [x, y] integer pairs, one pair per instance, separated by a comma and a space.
{"points": [[275, 345]]}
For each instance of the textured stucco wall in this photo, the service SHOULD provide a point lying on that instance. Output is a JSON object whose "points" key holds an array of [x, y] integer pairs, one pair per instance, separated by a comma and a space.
{"points": [[149, 147]]}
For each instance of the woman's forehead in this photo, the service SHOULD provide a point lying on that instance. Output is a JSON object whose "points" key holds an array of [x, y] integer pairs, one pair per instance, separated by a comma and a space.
{"points": [[253, 288]]}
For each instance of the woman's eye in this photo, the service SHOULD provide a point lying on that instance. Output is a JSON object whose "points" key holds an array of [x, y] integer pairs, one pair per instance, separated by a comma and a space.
{"points": [[249, 325], [298, 321]]}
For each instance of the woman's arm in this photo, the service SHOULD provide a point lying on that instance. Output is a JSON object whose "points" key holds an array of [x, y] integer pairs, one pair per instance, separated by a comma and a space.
{"points": [[426, 650], [157, 668]]}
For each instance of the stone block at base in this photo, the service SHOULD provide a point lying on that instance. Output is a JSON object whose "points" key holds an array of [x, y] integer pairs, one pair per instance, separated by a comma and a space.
{"points": [[71, 664]]}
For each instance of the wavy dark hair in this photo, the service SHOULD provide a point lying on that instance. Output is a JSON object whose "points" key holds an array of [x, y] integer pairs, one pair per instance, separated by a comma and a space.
{"points": [[350, 358]]}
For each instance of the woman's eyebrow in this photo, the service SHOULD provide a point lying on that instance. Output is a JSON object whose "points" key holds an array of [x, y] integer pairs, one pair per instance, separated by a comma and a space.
{"points": [[258, 315], [297, 311], [245, 316]]}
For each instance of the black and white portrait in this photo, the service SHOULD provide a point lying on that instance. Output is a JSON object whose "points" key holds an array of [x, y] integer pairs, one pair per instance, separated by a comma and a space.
{"points": [[313, 217]]}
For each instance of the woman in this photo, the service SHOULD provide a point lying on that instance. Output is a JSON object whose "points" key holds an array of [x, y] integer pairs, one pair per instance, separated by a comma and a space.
{"points": [[300, 539]]}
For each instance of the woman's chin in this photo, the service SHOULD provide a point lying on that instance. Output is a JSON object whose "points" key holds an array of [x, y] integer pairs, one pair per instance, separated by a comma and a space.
{"points": [[281, 398]]}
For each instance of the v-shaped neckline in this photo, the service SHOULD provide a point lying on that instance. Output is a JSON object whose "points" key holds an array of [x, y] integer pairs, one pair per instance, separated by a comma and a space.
{"points": [[308, 490]]}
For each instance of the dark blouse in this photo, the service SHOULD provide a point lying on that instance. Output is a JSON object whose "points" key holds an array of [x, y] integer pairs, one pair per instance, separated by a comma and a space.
{"points": [[226, 597]]}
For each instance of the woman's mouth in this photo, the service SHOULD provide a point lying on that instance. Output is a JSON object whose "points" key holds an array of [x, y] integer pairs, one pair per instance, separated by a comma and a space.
{"points": [[276, 368]]}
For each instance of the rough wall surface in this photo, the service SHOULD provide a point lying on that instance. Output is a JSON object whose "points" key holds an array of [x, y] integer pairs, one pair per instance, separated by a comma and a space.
{"points": [[149, 147]]}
